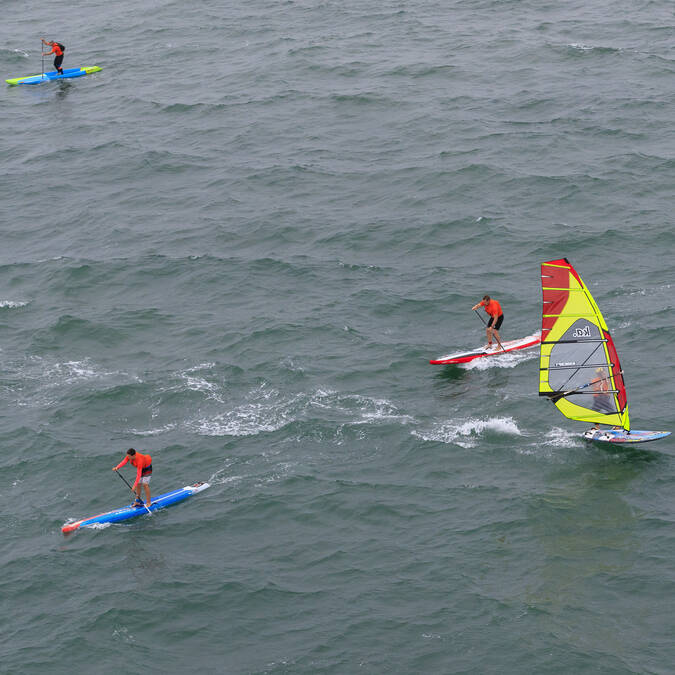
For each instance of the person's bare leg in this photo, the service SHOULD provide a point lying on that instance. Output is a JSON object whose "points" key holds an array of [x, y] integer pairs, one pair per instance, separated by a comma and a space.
{"points": [[147, 494]]}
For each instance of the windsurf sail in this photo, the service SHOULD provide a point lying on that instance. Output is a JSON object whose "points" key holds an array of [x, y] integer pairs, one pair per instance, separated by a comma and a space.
{"points": [[579, 368]]}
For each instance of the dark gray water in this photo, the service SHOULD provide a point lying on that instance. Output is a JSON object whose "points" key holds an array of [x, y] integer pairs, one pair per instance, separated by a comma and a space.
{"points": [[237, 247]]}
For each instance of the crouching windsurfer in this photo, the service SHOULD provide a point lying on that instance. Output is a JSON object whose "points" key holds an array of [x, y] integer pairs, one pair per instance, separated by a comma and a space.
{"points": [[602, 401], [494, 310], [143, 464]]}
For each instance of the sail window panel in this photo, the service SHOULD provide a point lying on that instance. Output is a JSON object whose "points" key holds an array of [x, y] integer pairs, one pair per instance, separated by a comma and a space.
{"points": [[578, 407], [603, 403], [567, 365]]}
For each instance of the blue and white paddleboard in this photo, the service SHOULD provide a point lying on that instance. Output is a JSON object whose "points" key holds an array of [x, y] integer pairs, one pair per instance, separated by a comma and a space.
{"points": [[131, 511], [622, 436]]}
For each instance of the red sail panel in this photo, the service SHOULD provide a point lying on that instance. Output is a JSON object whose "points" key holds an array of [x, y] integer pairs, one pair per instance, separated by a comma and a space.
{"points": [[616, 371], [555, 284]]}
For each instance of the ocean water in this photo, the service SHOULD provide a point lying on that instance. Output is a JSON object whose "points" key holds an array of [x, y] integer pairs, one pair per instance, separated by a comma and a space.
{"points": [[237, 247]]}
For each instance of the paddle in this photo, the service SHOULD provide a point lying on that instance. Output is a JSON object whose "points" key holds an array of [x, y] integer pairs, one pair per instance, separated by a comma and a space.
{"points": [[43, 62], [132, 489], [485, 324]]}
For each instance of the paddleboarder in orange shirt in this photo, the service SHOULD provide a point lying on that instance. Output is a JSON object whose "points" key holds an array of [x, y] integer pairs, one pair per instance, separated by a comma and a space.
{"points": [[57, 50], [494, 310], [143, 464]]}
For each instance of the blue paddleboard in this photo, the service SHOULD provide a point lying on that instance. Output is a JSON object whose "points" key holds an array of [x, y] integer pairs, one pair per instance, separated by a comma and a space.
{"points": [[54, 75], [131, 511]]}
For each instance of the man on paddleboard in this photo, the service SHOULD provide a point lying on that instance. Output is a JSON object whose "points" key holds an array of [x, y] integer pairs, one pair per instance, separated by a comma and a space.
{"points": [[494, 310], [57, 50], [143, 464]]}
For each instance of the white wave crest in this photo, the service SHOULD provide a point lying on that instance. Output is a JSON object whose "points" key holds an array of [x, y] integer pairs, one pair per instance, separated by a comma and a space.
{"points": [[153, 432], [12, 304], [508, 360], [190, 380], [361, 408], [245, 420], [562, 438], [199, 384], [467, 433], [581, 47], [268, 410], [219, 479], [74, 371]]}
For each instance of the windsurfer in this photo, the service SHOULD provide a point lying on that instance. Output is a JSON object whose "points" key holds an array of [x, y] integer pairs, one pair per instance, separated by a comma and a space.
{"points": [[494, 310], [143, 464], [602, 401]]}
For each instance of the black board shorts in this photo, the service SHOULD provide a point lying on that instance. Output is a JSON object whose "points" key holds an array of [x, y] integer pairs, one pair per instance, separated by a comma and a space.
{"points": [[498, 323], [58, 61]]}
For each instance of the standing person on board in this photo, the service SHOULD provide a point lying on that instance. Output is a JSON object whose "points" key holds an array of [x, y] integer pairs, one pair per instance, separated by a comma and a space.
{"points": [[494, 310], [143, 464], [57, 50]]}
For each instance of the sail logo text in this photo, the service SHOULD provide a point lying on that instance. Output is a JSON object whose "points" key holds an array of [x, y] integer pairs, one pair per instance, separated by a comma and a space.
{"points": [[582, 332], [566, 363]]}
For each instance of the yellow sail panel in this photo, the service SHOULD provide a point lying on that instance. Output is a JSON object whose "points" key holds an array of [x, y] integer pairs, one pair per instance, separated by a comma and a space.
{"points": [[579, 368]]}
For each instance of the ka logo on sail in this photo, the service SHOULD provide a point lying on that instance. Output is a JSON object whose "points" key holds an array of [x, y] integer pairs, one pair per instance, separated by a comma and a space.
{"points": [[584, 332]]}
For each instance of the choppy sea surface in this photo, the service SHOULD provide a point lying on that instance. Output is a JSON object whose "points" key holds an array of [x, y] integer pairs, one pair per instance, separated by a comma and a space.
{"points": [[237, 247]]}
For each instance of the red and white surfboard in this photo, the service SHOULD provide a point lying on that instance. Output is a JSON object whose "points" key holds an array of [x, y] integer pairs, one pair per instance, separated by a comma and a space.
{"points": [[508, 346]]}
